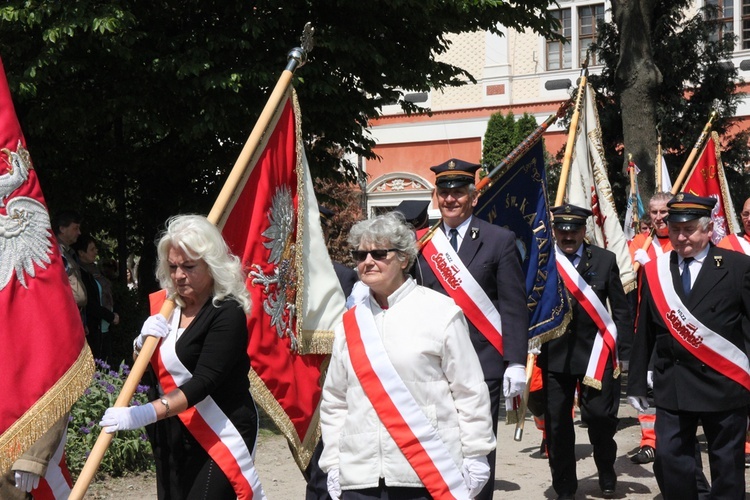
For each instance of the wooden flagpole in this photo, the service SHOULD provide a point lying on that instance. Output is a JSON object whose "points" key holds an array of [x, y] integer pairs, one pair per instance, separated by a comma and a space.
{"points": [[633, 195], [297, 57], [657, 166], [686, 168], [572, 132]]}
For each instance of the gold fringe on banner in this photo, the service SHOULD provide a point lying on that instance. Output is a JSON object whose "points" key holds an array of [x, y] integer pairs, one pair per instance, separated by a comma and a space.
{"points": [[47, 410], [301, 450]]}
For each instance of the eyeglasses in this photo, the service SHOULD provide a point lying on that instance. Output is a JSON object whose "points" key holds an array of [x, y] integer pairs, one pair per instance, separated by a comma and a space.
{"points": [[379, 254]]}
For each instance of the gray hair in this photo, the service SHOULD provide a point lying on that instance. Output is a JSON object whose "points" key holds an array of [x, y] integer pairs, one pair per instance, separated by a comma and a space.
{"points": [[662, 196], [387, 231], [201, 240]]}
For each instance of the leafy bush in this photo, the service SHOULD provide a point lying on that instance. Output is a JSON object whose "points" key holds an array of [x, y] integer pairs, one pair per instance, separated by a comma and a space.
{"points": [[130, 451]]}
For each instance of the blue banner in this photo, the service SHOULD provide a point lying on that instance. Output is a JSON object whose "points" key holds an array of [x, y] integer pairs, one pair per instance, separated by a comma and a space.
{"points": [[517, 200]]}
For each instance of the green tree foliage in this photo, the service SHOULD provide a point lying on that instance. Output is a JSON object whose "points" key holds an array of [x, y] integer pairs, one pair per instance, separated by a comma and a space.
{"points": [[697, 76], [135, 110], [503, 134]]}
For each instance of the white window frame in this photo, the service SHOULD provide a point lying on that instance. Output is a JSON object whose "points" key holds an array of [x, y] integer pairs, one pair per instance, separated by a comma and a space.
{"points": [[573, 6]]}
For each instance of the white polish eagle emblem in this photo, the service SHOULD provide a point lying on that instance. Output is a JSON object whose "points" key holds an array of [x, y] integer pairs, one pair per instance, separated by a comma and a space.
{"points": [[280, 287], [24, 227]]}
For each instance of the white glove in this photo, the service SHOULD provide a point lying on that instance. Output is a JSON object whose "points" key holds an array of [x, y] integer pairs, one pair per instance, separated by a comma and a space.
{"points": [[514, 380], [332, 483], [26, 481], [536, 351], [638, 402], [154, 326], [641, 256], [128, 418], [476, 472], [650, 379]]}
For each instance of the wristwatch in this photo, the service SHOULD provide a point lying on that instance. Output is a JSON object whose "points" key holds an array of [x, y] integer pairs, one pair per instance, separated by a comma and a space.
{"points": [[166, 404]]}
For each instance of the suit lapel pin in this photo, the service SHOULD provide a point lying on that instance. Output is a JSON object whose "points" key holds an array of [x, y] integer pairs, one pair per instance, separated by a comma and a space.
{"points": [[474, 233], [717, 260]]}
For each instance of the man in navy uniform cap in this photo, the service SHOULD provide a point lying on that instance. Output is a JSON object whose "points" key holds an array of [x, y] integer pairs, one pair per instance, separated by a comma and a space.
{"points": [[415, 212], [695, 308], [565, 361], [491, 257]]}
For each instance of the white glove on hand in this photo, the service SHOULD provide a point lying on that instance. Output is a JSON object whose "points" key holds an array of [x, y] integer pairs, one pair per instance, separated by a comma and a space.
{"points": [[26, 481], [650, 379], [641, 256], [127, 418], [638, 402], [332, 483], [476, 472], [514, 380], [154, 326], [536, 351]]}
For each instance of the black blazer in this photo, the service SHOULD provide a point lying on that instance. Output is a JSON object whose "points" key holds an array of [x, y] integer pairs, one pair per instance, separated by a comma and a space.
{"points": [[720, 299], [490, 254], [570, 353]]}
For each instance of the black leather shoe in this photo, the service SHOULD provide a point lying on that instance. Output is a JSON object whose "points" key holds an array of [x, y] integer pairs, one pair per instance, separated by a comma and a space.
{"points": [[608, 484], [608, 488]]}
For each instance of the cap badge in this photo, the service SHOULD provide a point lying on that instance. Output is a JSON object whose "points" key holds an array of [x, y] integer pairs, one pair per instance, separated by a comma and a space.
{"points": [[679, 197], [567, 209], [451, 165]]}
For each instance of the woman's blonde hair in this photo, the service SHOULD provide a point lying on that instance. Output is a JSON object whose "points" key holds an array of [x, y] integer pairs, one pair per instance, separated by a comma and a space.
{"points": [[201, 240]]}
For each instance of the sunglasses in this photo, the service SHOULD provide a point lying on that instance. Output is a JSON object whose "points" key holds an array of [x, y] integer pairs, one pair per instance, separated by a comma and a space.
{"points": [[380, 254]]}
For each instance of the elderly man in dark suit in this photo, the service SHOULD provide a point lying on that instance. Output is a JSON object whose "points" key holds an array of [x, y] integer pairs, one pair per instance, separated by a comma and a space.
{"points": [[695, 308], [489, 254], [592, 279]]}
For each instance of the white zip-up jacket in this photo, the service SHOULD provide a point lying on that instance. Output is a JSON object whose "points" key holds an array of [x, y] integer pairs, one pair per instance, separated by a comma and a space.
{"points": [[427, 340]]}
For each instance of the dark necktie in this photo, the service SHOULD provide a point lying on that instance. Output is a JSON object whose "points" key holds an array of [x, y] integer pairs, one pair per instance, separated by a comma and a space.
{"points": [[572, 258], [686, 275], [454, 238]]}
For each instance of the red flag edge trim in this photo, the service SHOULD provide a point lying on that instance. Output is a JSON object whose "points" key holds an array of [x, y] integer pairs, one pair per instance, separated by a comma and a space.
{"points": [[47, 410]]}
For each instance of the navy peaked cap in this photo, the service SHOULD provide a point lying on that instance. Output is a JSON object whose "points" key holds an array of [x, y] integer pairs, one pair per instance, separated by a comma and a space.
{"points": [[454, 173], [687, 206], [570, 217]]}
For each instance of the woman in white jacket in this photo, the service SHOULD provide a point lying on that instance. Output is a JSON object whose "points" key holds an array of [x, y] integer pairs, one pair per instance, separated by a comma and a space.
{"points": [[405, 411]]}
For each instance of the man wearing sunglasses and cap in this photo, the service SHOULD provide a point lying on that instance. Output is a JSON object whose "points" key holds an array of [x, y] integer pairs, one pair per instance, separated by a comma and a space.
{"points": [[586, 356], [477, 264], [695, 308]]}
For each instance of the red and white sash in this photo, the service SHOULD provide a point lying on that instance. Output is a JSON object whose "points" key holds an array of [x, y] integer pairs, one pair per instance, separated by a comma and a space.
{"points": [[703, 343], [207, 423], [739, 244], [57, 482], [658, 249], [463, 288], [405, 421], [605, 344]]}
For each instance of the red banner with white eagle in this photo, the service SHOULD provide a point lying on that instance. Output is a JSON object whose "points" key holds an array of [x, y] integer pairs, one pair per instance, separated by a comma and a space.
{"points": [[46, 364], [708, 179], [273, 225]]}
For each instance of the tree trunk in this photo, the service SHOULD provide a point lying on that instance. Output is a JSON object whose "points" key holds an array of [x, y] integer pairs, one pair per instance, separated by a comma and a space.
{"points": [[638, 77]]}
